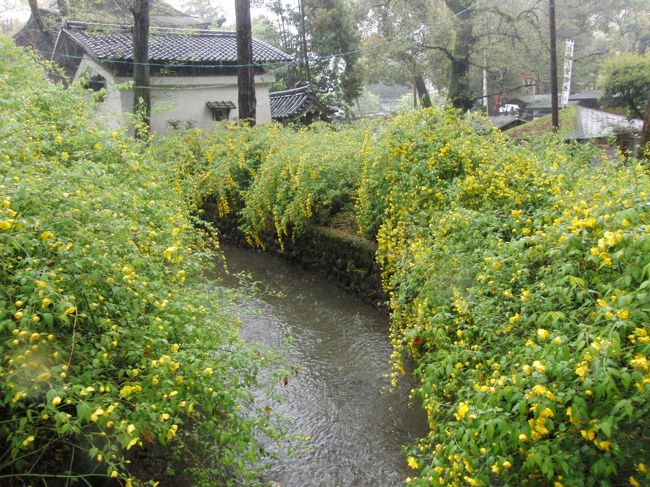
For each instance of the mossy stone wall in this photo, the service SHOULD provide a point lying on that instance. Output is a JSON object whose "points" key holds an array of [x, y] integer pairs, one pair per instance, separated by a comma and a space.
{"points": [[348, 260]]}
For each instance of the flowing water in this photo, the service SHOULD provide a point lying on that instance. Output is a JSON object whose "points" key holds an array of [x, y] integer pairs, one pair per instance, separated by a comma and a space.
{"points": [[337, 397]]}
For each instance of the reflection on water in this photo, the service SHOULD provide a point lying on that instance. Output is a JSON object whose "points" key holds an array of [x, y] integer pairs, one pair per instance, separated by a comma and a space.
{"points": [[341, 350]]}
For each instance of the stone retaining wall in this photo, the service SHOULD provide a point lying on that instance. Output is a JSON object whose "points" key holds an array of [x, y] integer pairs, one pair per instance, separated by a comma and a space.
{"points": [[345, 259]]}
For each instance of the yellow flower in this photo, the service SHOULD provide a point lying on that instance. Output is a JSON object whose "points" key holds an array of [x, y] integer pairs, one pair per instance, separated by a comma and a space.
{"points": [[582, 369], [642, 468], [171, 432], [169, 253], [56, 400], [623, 314], [539, 366], [634, 482], [28, 440], [463, 408], [604, 445], [175, 347], [507, 464], [516, 318], [523, 437], [640, 362], [413, 463], [542, 334], [114, 473], [70, 310], [46, 235]]}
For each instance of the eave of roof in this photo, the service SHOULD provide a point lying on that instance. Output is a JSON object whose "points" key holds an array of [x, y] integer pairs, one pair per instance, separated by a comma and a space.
{"points": [[167, 44], [295, 103]]}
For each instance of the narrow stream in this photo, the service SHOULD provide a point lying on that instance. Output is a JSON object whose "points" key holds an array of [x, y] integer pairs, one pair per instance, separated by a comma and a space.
{"points": [[337, 398]]}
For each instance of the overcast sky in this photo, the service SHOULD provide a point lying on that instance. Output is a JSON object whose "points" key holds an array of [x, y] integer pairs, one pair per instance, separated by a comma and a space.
{"points": [[227, 5], [19, 9]]}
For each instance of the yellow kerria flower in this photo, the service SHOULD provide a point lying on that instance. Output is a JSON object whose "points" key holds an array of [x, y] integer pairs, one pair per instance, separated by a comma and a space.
{"points": [[582, 369], [70, 310], [463, 408], [542, 334], [169, 253], [539, 366], [623, 314], [413, 463]]}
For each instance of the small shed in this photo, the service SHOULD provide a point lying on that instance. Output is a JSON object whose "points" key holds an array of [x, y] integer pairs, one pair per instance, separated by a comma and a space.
{"points": [[298, 105]]}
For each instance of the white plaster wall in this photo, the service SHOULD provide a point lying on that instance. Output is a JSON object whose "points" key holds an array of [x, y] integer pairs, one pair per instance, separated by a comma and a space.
{"points": [[111, 110], [184, 98]]}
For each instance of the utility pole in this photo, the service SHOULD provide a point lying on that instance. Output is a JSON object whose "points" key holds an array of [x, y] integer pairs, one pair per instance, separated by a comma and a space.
{"points": [[246, 70], [304, 40], [141, 75], [554, 91]]}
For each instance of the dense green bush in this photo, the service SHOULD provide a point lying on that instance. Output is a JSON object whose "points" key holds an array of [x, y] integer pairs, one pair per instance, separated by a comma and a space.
{"points": [[272, 178], [111, 341], [518, 278], [519, 281]]}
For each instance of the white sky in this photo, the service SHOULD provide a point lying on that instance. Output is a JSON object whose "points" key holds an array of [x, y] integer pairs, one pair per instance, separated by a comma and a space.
{"points": [[19, 9], [227, 5]]}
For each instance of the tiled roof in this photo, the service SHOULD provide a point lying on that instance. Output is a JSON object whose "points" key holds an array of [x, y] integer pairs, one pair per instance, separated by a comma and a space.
{"points": [[293, 104], [115, 42], [221, 105], [500, 121]]}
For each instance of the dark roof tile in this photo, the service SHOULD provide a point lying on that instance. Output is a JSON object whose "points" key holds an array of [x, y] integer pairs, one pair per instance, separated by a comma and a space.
{"points": [[293, 104], [115, 42]]}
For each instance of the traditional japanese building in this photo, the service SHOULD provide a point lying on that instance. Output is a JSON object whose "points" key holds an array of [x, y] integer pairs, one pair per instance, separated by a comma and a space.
{"points": [[193, 72], [298, 105]]}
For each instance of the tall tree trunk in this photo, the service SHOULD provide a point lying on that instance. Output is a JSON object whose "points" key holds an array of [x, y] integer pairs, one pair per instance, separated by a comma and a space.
{"points": [[141, 76], [246, 71], [36, 15], [459, 91], [423, 93]]}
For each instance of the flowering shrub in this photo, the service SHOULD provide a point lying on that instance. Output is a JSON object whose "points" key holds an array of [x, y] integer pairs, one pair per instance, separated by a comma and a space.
{"points": [[111, 342], [518, 278], [275, 179], [519, 281]]}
